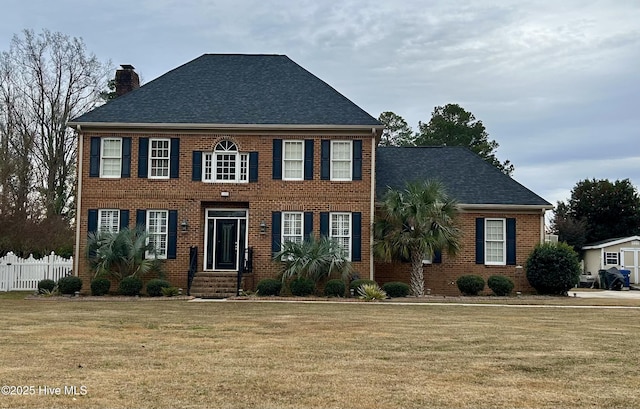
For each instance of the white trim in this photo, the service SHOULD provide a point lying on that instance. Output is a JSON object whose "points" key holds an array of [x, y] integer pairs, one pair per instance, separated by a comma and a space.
{"points": [[504, 242], [207, 219], [285, 160], [282, 233], [76, 264], [241, 164], [503, 207], [111, 225], [332, 160], [372, 209], [165, 234], [350, 230], [102, 141], [151, 159], [613, 242]]}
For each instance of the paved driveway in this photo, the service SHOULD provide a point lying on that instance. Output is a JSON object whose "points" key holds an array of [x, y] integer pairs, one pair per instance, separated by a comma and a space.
{"points": [[620, 295]]}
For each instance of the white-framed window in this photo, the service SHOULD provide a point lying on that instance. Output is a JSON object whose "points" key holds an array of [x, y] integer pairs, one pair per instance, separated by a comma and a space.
{"points": [[225, 164], [158, 230], [293, 160], [341, 160], [111, 158], [495, 242], [610, 258], [340, 229], [292, 227], [108, 220], [159, 154]]}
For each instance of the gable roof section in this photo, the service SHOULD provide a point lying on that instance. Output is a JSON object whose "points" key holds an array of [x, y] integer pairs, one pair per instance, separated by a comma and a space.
{"points": [[465, 175], [233, 89], [610, 242]]}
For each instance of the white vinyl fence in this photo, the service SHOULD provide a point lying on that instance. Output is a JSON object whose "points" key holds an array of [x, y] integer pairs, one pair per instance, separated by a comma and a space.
{"points": [[20, 274]]}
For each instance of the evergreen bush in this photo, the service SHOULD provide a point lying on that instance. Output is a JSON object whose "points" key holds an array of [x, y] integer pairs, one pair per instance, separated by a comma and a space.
{"points": [[396, 289], [553, 268], [335, 288], [500, 285], [130, 286], [100, 286], [302, 286], [46, 285], [69, 284], [155, 286], [470, 284], [269, 286]]}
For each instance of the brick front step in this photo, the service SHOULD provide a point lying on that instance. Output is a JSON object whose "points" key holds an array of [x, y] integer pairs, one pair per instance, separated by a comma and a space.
{"points": [[214, 285]]}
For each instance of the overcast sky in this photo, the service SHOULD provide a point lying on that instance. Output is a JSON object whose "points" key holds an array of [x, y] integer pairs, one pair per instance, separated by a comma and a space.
{"points": [[555, 82]]}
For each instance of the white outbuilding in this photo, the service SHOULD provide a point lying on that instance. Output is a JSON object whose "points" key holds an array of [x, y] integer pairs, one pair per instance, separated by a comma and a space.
{"points": [[622, 253]]}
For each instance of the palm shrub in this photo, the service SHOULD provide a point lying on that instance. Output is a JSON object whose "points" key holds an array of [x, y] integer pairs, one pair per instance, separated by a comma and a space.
{"points": [[500, 285], [355, 284], [553, 268], [100, 286], [470, 284], [413, 224], [155, 286], [396, 289], [335, 288], [313, 258], [302, 286], [122, 254], [371, 292]]}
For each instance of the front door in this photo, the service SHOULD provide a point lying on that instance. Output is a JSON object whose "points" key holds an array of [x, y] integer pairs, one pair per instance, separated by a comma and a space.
{"points": [[226, 244], [629, 258], [225, 239]]}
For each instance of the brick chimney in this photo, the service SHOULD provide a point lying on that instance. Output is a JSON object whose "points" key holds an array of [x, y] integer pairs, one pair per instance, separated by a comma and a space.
{"points": [[126, 79]]}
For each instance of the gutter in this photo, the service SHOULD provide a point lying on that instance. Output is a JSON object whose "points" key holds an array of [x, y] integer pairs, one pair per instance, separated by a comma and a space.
{"points": [[76, 261]]}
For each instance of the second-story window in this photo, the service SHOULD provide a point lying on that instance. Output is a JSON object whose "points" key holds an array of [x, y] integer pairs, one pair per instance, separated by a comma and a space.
{"points": [[225, 164], [159, 154], [293, 160], [111, 158], [341, 160]]}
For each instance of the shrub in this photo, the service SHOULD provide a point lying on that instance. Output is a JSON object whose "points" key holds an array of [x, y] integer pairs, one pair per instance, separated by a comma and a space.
{"points": [[553, 268], [302, 286], [46, 285], [269, 286], [500, 285], [100, 286], [170, 291], [155, 286], [470, 284], [69, 284], [335, 288], [371, 292], [396, 289], [355, 284], [130, 286]]}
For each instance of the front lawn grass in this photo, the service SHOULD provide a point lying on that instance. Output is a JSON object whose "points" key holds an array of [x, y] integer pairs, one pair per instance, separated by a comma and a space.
{"points": [[177, 354]]}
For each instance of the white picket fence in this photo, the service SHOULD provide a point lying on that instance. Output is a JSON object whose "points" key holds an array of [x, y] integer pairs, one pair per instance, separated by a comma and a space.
{"points": [[20, 274]]}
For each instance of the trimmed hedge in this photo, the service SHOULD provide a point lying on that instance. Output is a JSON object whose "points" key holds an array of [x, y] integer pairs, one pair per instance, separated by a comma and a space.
{"points": [[69, 284], [269, 286], [553, 268], [470, 284], [46, 285], [335, 288], [396, 289], [500, 285], [100, 286], [302, 286], [130, 286], [155, 286]]}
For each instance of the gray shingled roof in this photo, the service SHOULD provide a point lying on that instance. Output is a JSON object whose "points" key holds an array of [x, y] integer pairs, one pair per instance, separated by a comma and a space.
{"points": [[234, 89], [466, 176]]}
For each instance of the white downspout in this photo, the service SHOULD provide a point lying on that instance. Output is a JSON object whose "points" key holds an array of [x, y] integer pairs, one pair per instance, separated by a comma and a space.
{"points": [[76, 261], [372, 204]]}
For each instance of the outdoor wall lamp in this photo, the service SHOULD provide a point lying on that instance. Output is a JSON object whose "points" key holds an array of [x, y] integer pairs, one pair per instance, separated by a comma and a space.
{"points": [[263, 227], [184, 226]]}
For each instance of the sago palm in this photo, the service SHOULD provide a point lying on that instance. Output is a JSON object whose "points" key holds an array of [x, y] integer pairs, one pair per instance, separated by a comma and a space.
{"points": [[413, 224]]}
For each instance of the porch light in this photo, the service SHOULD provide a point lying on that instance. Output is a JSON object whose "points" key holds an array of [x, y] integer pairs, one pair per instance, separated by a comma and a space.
{"points": [[184, 226], [263, 227]]}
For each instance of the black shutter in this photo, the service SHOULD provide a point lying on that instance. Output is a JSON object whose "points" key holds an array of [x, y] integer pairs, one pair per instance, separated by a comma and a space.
{"points": [[308, 159], [437, 257], [196, 172], [125, 170], [356, 236], [276, 238], [174, 161], [308, 224], [357, 160], [124, 219], [325, 159], [511, 242], [141, 219], [277, 159], [143, 157], [94, 157], [92, 220], [479, 240], [172, 239], [253, 166], [324, 224]]}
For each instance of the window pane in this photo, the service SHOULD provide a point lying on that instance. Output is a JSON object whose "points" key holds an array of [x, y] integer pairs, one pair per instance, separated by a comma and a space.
{"points": [[293, 160], [111, 160], [157, 226], [341, 160], [159, 158], [292, 227], [341, 231], [109, 220]]}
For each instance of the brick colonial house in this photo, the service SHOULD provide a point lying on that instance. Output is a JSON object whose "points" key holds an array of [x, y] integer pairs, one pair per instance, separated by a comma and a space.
{"points": [[227, 156]]}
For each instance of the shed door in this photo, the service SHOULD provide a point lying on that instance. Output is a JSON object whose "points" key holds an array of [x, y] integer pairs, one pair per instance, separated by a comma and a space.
{"points": [[629, 261]]}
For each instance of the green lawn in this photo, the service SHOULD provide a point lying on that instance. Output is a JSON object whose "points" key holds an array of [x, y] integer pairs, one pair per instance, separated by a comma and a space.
{"points": [[157, 354]]}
